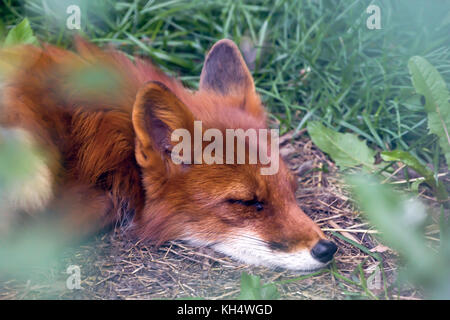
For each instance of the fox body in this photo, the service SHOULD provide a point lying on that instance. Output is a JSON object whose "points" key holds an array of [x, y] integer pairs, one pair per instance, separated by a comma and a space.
{"points": [[107, 156]]}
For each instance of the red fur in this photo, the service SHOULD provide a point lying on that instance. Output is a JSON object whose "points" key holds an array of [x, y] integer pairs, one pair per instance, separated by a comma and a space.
{"points": [[114, 164]]}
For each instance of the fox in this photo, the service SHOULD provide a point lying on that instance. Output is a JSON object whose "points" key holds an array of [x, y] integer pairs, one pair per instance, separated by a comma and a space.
{"points": [[106, 156]]}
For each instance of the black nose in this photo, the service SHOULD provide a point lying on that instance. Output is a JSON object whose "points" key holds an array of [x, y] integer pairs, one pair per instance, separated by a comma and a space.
{"points": [[324, 250]]}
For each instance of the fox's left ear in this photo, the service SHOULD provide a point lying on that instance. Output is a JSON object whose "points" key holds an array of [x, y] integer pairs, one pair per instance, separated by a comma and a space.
{"points": [[225, 72], [157, 112]]}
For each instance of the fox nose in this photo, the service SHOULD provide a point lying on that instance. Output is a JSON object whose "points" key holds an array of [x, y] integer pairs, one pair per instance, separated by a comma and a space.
{"points": [[324, 250]]}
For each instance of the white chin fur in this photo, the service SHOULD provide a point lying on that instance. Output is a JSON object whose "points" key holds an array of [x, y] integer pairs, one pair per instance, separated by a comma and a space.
{"points": [[248, 249], [34, 193]]}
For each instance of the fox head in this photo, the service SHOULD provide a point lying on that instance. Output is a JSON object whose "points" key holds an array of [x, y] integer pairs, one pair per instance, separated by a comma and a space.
{"points": [[230, 207]]}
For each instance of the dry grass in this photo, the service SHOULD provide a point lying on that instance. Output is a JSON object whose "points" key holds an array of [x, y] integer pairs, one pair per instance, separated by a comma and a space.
{"points": [[113, 266]]}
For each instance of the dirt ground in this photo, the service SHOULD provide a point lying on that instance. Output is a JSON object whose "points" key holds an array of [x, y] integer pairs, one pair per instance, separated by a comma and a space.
{"points": [[113, 266]]}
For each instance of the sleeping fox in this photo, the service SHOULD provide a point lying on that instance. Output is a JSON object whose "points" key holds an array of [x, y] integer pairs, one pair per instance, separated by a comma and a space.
{"points": [[107, 155]]}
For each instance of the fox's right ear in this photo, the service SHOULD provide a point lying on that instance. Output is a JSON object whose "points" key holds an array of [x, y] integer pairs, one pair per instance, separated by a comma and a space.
{"points": [[157, 112]]}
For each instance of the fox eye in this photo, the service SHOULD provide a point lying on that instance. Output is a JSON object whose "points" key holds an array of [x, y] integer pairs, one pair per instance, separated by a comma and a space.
{"points": [[259, 205]]}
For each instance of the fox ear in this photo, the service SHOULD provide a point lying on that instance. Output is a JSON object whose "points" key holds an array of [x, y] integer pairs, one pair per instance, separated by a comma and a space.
{"points": [[225, 73], [157, 112]]}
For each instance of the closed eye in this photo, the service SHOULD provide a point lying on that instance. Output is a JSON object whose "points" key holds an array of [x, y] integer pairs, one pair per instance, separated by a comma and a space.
{"points": [[259, 205]]}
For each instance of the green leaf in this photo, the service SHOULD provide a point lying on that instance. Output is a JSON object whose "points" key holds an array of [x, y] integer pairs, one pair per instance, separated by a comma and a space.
{"points": [[251, 289], [20, 34], [412, 162], [346, 149], [269, 292], [428, 82]]}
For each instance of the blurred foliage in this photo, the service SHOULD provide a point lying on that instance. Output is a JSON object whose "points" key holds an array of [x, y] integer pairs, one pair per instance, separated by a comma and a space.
{"points": [[253, 289], [22, 249], [402, 220], [94, 81], [29, 249], [18, 161]]}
